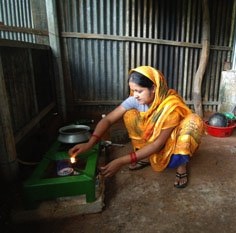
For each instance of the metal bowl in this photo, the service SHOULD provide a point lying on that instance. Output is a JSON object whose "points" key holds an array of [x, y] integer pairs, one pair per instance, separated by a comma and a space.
{"points": [[218, 120], [74, 134]]}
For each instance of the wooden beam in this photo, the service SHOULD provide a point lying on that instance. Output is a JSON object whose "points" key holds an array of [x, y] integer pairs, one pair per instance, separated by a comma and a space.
{"points": [[21, 44], [23, 30], [25, 130], [138, 40], [117, 102], [54, 42]]}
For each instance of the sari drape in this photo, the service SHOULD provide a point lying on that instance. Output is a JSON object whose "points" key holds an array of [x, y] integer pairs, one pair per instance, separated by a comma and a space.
{"points": [[167, 110]]}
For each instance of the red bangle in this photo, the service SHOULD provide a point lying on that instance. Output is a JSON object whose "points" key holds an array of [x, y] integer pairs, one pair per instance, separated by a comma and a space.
{"points": [[96, 136], [133, 158]]}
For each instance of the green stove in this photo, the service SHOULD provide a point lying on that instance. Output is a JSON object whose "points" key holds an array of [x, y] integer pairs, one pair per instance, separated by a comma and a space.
{"points": [[46, 184]]}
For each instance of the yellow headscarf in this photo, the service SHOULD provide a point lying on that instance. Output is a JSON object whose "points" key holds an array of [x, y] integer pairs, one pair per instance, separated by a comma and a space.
{"points": [[166, 100]]}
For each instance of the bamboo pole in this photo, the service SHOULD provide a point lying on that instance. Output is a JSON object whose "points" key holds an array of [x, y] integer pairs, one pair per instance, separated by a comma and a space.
{"points": [[197, 82]]}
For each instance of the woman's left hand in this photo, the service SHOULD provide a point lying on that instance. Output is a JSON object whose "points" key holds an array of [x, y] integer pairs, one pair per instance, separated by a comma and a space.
{"points": [[111, 168]]}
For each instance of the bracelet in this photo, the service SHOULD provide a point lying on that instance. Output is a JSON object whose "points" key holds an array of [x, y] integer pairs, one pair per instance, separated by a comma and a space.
{"points": [[133, 158], [96, 136]]}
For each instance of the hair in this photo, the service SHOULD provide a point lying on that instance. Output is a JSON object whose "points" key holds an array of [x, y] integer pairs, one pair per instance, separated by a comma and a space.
{"points": [[140, 80]]}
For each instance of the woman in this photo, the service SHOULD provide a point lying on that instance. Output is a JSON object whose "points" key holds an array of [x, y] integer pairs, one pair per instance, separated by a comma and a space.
{"points": [[161, 127]]}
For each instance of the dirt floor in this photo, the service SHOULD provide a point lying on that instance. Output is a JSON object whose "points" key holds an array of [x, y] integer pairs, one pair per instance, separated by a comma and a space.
{"points": [[146, 201]]}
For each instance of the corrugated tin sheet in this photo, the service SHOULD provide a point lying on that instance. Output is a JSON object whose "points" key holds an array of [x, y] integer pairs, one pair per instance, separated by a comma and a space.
{"points": [[29, 83], [104, 39], [16, 13], [24, 20]]}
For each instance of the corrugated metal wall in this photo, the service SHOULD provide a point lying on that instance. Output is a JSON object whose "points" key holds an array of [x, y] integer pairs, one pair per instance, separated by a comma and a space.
{"points": [[24, 20], [27, 63], [29, 83], [104, 39], [18, 14]]}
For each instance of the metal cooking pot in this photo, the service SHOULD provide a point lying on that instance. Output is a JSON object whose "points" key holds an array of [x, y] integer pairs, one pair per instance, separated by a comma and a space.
{"points": [[74, 134]]}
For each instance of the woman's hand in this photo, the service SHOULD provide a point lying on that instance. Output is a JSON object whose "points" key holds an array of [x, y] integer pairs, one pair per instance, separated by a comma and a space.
{"points": [[78, 149], [112, 168]]}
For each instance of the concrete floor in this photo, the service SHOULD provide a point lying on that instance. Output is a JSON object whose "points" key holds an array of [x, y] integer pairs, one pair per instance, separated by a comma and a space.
{"points": [[146, 201]]}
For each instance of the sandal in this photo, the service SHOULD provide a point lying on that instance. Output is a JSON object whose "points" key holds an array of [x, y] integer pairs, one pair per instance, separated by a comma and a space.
{"points": [[178, 179], [139, 165]]}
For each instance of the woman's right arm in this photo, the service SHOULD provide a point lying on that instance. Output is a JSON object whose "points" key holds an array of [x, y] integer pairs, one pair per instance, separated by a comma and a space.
{"points": [[115, 165], [103, 125]]}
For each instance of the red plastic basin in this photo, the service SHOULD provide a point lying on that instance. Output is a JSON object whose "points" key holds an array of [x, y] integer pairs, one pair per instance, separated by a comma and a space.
{"points": [[220, 131]]}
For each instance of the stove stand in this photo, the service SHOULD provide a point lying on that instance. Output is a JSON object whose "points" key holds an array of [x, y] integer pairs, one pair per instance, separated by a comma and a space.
{"points": [[44, 184]]}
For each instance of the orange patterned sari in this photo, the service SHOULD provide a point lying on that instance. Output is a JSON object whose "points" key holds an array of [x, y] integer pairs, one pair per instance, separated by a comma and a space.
{"points": [[167, 110]]}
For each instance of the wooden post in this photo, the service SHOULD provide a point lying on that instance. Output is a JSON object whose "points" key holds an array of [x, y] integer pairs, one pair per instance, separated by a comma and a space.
{"points": [[197, 83], [8, 155], [56, 51]]}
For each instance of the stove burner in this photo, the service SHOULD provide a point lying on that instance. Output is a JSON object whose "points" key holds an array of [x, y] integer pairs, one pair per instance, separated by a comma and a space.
{"points": [[55, 166]]}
